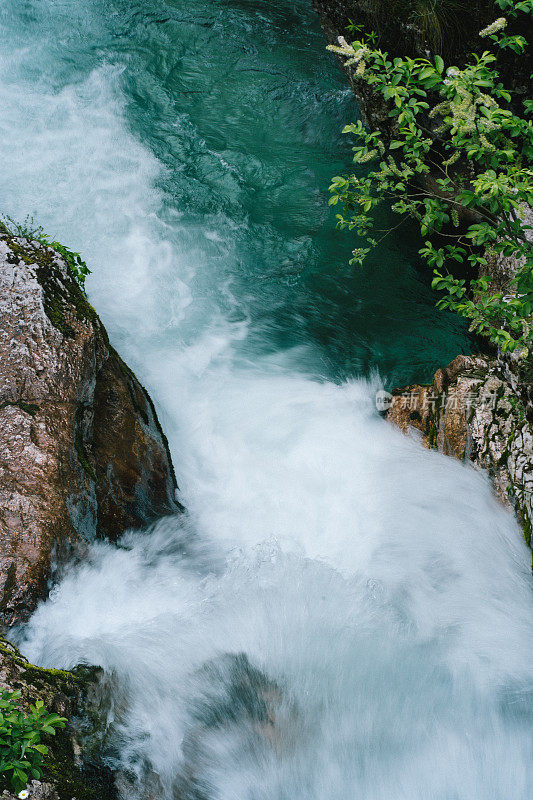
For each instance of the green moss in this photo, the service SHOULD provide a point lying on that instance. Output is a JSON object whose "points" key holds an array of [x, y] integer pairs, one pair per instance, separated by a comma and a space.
{"points": [[526, 526], [433, 421], [89, 780], [46, 680], [63, 298], [516, 494], [69, 780], [432, 428]]}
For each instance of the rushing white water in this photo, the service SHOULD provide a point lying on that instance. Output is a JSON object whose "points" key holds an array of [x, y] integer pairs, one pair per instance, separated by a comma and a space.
{"points": [[381, 597]]}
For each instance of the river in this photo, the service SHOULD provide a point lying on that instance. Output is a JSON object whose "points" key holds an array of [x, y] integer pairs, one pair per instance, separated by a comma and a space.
{"points": [[340, 614]]}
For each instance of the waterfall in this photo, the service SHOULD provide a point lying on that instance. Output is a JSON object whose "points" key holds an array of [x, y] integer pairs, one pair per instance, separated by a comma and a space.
{"points": [[340, 613]]}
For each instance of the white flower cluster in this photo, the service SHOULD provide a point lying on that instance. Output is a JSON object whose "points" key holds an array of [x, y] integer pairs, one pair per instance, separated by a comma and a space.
{"points": [[354, 56], [365, 157], [440, 109], [496, 26], [453, 159]]}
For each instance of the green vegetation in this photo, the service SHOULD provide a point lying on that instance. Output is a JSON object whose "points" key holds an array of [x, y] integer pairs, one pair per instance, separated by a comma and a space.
{"points": [[22, 750], [64, 298], [28, 230], [69, 693], [457, 159]]}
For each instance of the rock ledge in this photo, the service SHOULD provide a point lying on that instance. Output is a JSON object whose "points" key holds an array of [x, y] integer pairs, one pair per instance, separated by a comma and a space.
{"points": [[474, 411]]}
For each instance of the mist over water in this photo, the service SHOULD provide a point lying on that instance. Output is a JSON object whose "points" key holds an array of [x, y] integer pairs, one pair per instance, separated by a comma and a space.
{"points": [[340, 614]]}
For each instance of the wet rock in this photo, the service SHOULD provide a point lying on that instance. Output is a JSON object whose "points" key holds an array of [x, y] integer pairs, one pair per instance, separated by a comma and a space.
{"points": [[82, 455], [67, 774], [474, 411], [36, 791], [135, 482], [334, 17], [233, 699]]}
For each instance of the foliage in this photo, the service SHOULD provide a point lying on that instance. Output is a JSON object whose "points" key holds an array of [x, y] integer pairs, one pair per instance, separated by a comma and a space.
{"points": [[21, 747], [28, 230], [458, 161]]}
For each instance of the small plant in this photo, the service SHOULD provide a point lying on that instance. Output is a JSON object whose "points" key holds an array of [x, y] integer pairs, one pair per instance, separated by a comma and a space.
{"points": [[458, 161], [28, 230], [21, 747]]}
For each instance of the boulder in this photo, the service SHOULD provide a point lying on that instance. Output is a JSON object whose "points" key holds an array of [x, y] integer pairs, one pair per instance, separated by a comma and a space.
{"points": [[82, 455], [475, 411], [72, 768]]}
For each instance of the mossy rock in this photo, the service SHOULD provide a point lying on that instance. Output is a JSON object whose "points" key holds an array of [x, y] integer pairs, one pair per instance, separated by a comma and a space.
{"points": [[73, 765], [63, 298]]}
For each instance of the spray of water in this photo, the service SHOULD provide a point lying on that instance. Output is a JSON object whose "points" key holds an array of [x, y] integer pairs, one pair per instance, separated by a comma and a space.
{"points": [[340, 614]]}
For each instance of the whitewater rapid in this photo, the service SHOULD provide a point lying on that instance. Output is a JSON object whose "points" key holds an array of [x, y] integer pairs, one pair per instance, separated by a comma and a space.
{"points": [[374, 595]]}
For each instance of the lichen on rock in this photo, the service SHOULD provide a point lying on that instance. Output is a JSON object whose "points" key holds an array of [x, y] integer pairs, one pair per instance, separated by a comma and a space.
{"points": [[36, 791]]}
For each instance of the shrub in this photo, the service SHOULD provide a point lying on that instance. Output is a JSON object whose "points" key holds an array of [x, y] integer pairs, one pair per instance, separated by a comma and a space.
{"points": [[21, 748], [458, 162]]}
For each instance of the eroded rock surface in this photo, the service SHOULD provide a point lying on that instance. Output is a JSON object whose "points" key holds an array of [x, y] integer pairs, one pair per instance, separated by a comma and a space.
{"points": [[81, 451], [474, 411]]}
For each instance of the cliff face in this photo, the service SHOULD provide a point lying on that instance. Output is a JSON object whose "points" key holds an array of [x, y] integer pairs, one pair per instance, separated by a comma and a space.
{"points": [[82, 455], [420, 30]]}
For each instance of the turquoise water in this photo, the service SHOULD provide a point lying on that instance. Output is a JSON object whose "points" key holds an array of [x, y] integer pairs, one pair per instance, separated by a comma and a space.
{"points": [[242, 107]]}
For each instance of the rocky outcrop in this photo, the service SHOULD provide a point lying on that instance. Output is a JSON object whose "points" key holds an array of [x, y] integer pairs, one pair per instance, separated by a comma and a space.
{"points": [[473, 411], [36, 791], [67, 774], [407, 29], [82, 455]]}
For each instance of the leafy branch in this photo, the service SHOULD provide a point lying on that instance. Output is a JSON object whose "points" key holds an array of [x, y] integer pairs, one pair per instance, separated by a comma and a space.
{"points": [[458, 161]]}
